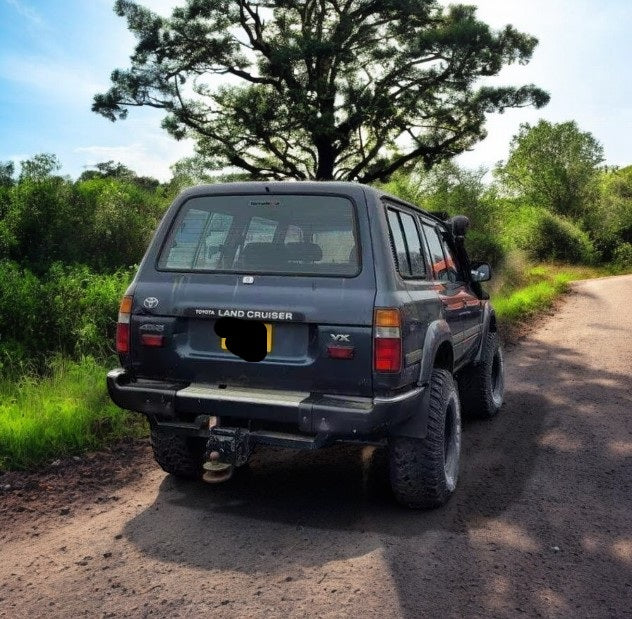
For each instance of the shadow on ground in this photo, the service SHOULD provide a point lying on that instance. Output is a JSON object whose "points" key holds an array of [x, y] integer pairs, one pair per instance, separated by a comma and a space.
{"points": [[296, 510]]}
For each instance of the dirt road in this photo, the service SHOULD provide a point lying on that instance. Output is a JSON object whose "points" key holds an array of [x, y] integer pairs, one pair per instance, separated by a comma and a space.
{"points": [[541, 524]]}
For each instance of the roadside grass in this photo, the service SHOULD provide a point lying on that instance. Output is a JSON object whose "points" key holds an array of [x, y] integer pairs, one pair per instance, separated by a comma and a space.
{"points": [[540, 286], [65, 412]]}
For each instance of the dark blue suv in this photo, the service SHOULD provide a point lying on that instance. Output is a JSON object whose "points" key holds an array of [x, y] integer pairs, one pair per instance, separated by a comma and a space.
{"points": [[304, 314]]}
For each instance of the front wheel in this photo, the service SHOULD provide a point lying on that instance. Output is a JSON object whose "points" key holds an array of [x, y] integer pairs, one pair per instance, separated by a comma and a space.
{"points": [[424, 471], [482, 386]]}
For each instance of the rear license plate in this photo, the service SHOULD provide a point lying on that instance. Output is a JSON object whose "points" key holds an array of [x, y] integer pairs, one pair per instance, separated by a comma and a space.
{"points": [[268, 343]]}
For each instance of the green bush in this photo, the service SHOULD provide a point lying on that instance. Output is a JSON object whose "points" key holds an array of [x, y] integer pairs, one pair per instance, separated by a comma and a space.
{"points": [[105, 223], [22, 315], [481, 245], [555, 238], [123, 219], [622, 256], [610, 221], [82, 308], [68, 309]]}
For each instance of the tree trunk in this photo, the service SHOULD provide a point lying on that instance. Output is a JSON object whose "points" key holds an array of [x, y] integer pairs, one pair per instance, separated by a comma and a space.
{"points": [[326, 159]]}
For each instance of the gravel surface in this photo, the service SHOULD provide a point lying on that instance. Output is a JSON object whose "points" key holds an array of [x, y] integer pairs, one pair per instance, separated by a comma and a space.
{"points": [[541, 524]]}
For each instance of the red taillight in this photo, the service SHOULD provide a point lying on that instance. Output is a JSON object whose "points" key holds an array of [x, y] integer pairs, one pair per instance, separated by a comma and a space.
{"points": [[122, 337], [151, 339], [388, 354], [122, 325], [387, 341]]}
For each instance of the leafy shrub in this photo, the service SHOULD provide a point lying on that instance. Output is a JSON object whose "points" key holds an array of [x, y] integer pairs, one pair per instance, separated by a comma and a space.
{"points": [[555, 238], [103, 222], [610, 221], [123, 219], [483, 245], [623, 256], [21, 314], [82, 307], [69, 309]]}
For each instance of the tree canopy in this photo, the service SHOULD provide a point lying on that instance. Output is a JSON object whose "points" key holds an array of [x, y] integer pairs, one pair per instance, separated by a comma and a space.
{"points": [[119, 171], [554, 166], [319, 89]]}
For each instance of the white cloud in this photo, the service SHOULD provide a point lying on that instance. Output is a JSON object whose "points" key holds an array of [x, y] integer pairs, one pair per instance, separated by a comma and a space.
{"points": [[28, 12], [59, 81], [162, 7], [150, 157]]}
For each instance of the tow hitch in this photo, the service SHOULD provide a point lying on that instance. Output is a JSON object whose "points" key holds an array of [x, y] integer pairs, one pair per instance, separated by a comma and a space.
{"points": [[226, 449]]}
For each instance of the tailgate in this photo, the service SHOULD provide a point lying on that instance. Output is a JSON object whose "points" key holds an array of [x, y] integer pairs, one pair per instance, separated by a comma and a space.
{"points": [[305, 318]]}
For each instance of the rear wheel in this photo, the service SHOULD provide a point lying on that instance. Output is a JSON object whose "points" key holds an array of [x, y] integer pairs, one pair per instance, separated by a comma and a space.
{"points": [[179, 455], [482, 386], [424, 471]]}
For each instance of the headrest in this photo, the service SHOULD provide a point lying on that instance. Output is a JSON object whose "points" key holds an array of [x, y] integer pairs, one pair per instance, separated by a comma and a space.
{"points": [[304, 252], [264, 256], [353, 254]]}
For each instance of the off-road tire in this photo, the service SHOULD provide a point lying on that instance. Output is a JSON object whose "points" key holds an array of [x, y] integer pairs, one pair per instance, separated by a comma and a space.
{"points": [[178, 455], [421, 475], [482, 386]]}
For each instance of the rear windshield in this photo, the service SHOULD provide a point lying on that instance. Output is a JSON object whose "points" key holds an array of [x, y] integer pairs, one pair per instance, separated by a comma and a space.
{"points": [[288, 234]]}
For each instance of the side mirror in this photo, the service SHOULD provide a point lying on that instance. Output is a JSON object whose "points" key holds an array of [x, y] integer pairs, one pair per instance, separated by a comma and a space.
{"points": [[481, 272]]}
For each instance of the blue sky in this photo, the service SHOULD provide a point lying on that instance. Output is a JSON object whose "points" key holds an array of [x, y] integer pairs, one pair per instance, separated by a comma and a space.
{"points": [[55, 55]]}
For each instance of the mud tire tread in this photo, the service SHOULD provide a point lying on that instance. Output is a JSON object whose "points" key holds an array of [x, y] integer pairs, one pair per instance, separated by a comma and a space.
{"points": [[416, 465], [178, 455]]}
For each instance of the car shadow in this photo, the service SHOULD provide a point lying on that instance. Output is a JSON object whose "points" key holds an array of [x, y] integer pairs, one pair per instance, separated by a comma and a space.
{"points": [[297, 497], [542, 506]]}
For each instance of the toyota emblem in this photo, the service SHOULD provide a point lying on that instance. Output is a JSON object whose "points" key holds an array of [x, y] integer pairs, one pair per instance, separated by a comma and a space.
{"points": [[150, 302]]}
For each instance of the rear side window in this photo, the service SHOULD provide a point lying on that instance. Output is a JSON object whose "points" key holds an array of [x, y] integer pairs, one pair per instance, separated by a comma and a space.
{"points": [[440, 265], [415, 253], [288, 234], [406, 244], [399, 245]]}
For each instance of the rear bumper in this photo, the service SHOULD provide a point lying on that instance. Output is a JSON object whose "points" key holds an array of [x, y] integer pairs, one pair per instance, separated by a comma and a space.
{"points": [[186, 408]]}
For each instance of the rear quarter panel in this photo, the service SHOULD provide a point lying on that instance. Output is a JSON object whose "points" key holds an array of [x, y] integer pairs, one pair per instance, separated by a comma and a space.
{"points": [[417, 300]]}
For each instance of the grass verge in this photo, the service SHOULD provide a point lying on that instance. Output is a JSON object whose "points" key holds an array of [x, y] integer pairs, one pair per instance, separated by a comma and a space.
{"points": [[542, 285], [63, 413]]}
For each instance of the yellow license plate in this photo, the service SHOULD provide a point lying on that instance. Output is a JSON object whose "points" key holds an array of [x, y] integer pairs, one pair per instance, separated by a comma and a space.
{"points": [[268, 344]]}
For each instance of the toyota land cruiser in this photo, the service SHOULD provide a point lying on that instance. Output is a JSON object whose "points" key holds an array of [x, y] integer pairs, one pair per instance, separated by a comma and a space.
{"points": [[305, 314]]}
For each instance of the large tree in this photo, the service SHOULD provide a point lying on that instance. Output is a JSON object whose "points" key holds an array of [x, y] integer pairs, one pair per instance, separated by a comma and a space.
{"points": [[554, 165], [323, 89]]}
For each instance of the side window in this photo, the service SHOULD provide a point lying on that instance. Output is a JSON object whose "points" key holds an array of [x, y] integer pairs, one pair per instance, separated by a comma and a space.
{"points": [[398, 243], [451, 264], [338, 246], [293, 234], [185, 239], [415, 253], [209, 253], [261, 230], [439, 262]]}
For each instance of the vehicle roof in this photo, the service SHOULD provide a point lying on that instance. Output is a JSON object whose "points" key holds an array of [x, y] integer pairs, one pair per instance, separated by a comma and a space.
{"points": [[264, 187]]}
